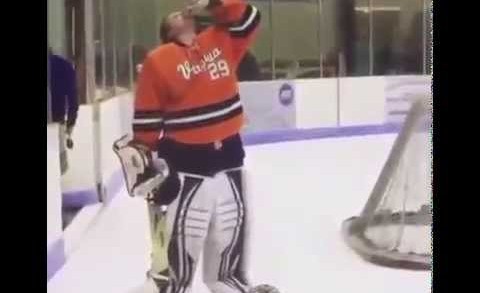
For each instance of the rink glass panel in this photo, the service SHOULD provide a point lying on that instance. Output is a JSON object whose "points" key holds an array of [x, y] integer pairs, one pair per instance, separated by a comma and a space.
{"points": [[297, 38], [399, 37], [344, 37]]}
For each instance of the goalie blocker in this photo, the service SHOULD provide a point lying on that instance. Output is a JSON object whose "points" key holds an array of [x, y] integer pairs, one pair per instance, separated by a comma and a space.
{"points": [[146, 175]]}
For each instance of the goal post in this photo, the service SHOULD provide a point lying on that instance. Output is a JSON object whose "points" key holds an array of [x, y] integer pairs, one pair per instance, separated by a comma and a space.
{"points": [[394, 227]]}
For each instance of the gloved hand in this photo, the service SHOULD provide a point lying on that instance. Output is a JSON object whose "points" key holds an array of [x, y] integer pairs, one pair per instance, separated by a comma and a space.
{"points": [[146, 175], [151, 173], [69, 142], [166, 192]]}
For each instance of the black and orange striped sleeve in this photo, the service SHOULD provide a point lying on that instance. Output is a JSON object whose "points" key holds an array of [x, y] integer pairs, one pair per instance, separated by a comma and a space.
{"points": [[150, 99], [242, 20]]}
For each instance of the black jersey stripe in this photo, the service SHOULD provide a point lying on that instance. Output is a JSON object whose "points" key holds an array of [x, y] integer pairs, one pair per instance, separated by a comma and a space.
{"points": [[203, 110], [157, 126], [247, 31], [246, 25], [203, 123], [246, 17], [147, 120], [191, 118]]}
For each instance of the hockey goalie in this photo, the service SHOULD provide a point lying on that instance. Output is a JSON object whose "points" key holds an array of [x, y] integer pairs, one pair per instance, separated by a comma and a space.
{"points": [[186, 156]]}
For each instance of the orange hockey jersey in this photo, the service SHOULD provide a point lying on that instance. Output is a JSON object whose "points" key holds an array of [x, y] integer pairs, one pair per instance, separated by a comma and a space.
{"points": [[190, 94]]}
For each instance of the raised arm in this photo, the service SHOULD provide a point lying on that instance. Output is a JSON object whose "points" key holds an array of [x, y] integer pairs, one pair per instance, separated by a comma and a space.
{"points": [[242, 20]]}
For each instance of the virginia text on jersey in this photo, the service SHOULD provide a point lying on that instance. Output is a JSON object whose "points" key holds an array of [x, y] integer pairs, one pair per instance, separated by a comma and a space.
{"points": [[190, 94]]}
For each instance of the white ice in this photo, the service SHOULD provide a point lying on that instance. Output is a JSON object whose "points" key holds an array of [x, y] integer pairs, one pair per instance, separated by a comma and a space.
{"points": [[299, 192]]}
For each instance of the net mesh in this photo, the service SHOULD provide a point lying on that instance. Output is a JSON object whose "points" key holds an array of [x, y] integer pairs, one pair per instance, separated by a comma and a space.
{"points": [[394, 228]]}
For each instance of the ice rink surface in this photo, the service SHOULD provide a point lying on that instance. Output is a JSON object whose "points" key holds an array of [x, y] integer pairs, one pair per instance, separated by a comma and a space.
{"points": [[299, 193]]}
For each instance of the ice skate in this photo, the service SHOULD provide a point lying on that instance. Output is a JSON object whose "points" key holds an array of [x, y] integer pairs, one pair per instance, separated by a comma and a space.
{"points": [[264, 288]]}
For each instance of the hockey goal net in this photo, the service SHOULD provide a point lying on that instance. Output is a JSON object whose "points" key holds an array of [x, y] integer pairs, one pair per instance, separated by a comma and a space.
{"points": [[394, 228]]}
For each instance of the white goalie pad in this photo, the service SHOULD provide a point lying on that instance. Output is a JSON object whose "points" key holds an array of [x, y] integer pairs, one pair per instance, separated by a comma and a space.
{"points": [[143, 171]]}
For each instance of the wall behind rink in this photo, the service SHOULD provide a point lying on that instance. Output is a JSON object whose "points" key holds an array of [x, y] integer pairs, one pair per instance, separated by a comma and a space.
{"points": [[399, 90], [313, 103], [54, 200], [269, 105], [79, 184], [55, 249]]}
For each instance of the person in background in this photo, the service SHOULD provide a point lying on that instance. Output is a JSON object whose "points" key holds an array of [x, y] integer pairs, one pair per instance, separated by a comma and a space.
{"points": [[64, 102]]}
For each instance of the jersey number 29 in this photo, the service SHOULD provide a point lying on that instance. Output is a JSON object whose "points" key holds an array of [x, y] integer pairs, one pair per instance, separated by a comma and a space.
{"points": [[218, 69]]}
